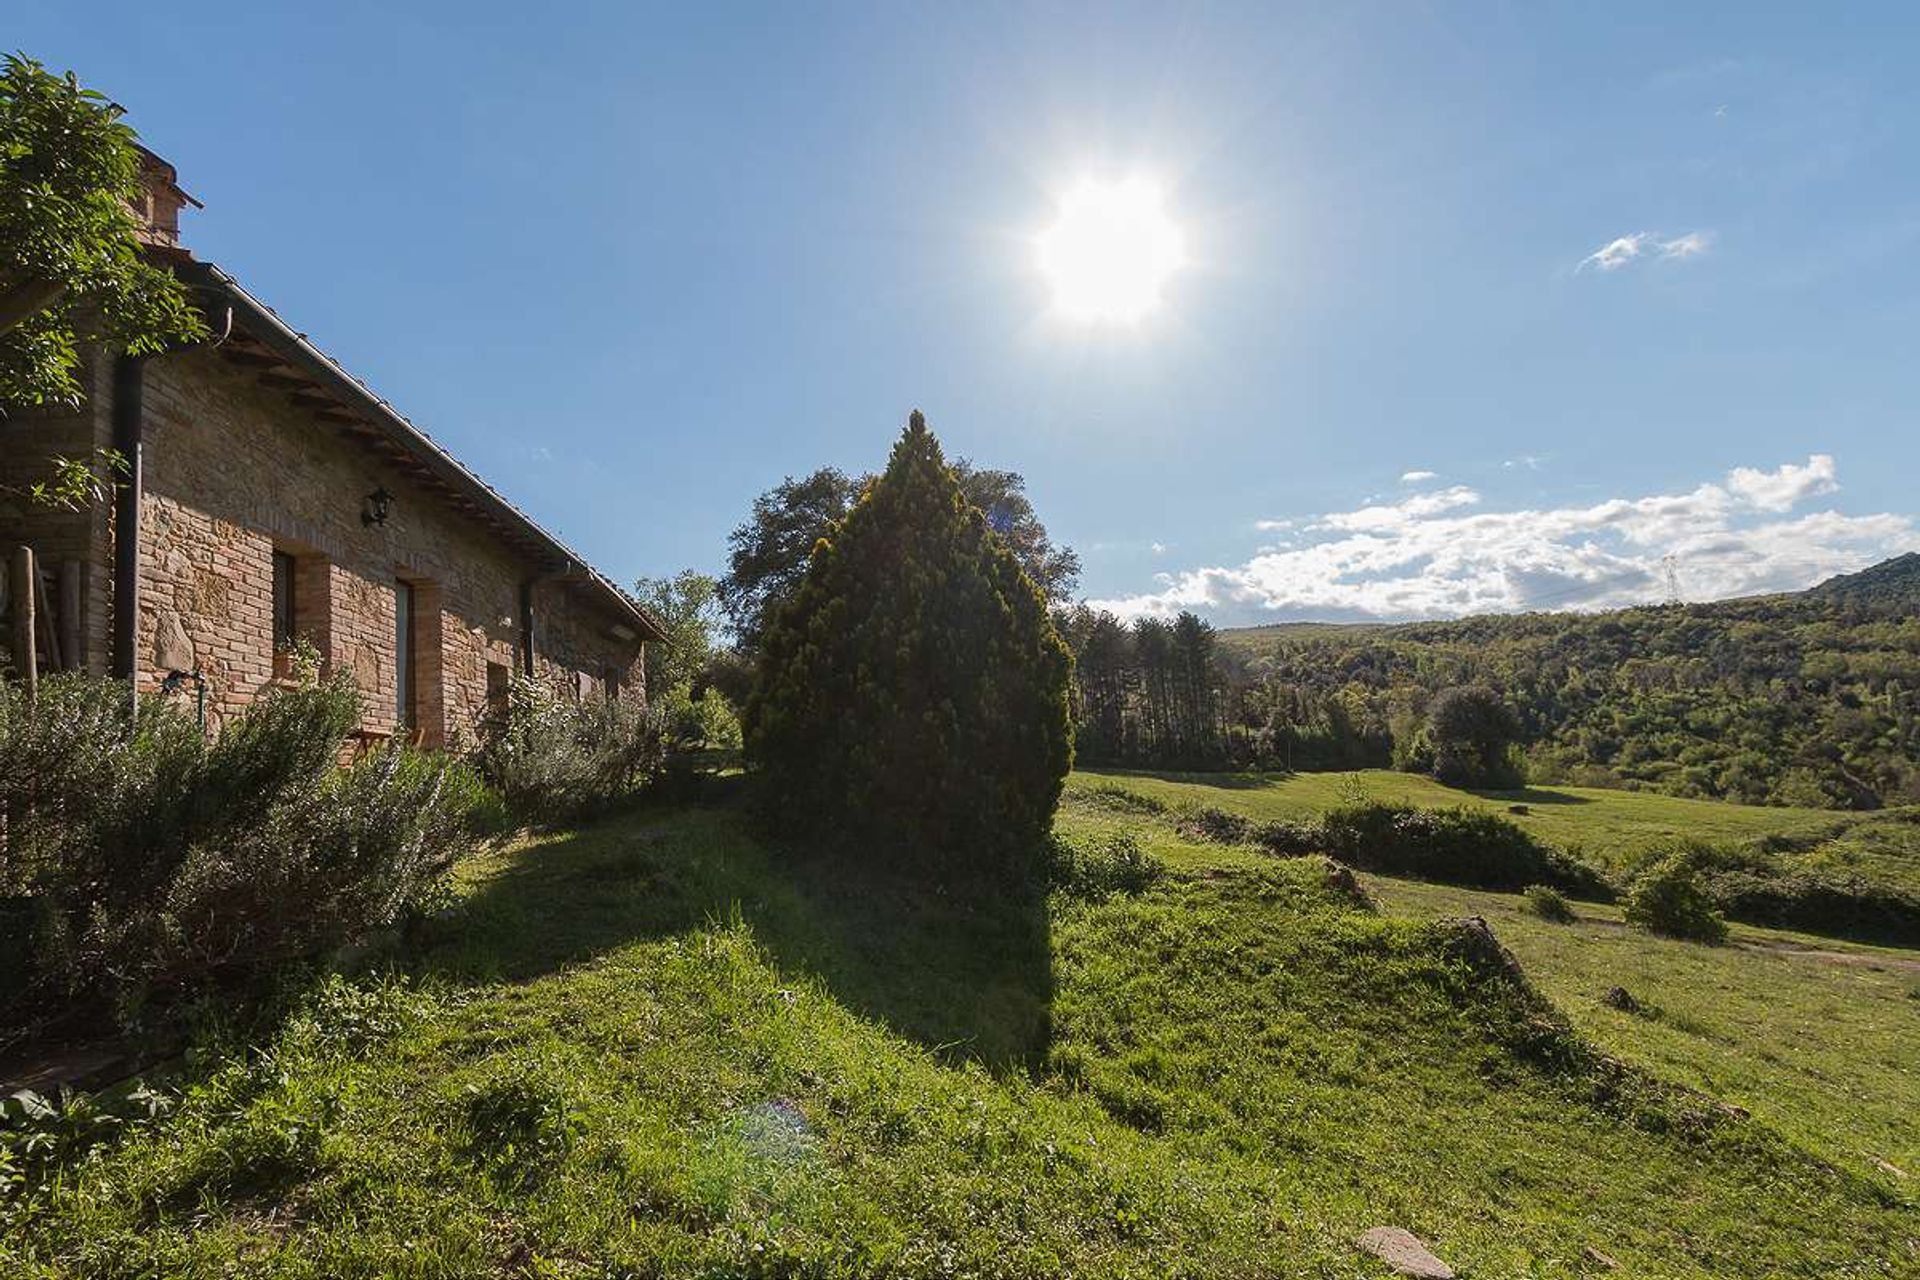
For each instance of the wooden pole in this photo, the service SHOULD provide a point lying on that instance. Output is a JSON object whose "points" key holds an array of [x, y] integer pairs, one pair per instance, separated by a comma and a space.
{"points": [[26, 658]]}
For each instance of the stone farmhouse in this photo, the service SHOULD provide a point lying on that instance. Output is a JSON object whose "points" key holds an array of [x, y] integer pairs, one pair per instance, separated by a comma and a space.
{"points": [[275, 499]]}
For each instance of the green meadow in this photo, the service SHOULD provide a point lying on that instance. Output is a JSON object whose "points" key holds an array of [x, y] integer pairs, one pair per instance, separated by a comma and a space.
{"points": [[1608, 826], [1611, 828], [654, 1046]]}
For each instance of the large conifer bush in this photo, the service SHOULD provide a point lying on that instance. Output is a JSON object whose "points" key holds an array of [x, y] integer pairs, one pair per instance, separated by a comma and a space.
{"points": [[912, 696]]}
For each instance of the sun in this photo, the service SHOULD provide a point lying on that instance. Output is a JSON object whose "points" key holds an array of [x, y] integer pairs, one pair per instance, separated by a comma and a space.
{"points": [[1110, 251]]}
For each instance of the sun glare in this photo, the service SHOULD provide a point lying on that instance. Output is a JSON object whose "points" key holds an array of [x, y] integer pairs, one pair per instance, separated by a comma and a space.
{"points": [[1110, 251]]}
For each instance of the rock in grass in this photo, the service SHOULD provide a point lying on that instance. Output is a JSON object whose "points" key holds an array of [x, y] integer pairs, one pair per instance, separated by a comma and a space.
{"points": [[1622, 999], [1402, 1250]]}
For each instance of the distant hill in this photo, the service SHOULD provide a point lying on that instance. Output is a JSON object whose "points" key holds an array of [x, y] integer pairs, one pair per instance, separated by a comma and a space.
{"points": [[1809, 697], [1895, 581]]}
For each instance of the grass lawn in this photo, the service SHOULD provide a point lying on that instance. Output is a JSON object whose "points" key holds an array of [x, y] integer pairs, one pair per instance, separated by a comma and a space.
{"points": [[1608, 827], [652, 1048], [1816, 1037]]}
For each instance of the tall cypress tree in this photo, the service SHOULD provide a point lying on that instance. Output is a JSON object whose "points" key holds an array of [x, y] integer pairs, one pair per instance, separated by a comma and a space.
{"points": [[912, 696]]}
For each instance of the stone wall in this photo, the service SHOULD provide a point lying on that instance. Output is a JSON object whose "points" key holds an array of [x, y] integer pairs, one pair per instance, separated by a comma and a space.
{"points": [[236, 471]]}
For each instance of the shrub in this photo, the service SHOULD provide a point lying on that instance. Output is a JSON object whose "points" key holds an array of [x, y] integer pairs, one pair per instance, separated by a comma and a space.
{"points": [[1670, 897], [1474, 735], [1547, 903], [912, 696], [1216, 825], [1454, 846], [1288, 838], [1757, 885], [1099, 868], [1820, 901], [554, 758], [1111, 795], [144, 858], [357, 849]]}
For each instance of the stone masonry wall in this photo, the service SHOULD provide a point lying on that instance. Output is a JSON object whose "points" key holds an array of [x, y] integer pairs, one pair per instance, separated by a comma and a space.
{"points": [[235, 470]]}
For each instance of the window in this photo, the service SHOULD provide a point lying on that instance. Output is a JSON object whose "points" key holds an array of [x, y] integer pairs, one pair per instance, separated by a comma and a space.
{"points": [[498, 684], [403, 653], [282, 600]]}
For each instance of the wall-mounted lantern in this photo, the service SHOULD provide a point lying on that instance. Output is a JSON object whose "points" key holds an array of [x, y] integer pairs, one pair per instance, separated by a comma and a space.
{"points": [[375, 507]]}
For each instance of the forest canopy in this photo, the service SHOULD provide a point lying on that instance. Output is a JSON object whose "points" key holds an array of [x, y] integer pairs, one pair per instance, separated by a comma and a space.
{"points": [[1810, 698]]}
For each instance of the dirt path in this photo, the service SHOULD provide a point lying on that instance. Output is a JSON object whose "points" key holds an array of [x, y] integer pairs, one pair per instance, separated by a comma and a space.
{"points": [[1870, 959]]}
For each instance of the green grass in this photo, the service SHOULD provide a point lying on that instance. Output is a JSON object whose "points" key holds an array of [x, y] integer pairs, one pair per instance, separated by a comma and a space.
{"points": [[653, 1048], [1611, 828], [1816, 1037]]}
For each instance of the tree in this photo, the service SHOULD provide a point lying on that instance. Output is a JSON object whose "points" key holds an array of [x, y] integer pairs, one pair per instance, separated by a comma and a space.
{"points": [[680, 669], [912, 695], [1002, 495], [688, 608], [768, 553], [71, 267], [1473, 732]]}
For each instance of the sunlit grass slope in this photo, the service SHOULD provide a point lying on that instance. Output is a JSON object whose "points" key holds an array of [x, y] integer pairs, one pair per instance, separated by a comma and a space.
{"points": [[1609, 827], [652, 1049], [1816, 1037]]}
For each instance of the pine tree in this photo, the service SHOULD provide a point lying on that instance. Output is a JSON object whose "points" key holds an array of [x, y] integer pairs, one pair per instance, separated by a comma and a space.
{"points": [[912, 696]]}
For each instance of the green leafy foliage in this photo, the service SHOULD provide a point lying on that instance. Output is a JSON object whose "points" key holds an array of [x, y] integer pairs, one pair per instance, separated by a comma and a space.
{"points": [[1670, 897], [1095, 868], [1473, 733], [1849, 875], [768, 554], [1454, 846], [1810, 699], [552, 757], [75, 483], [1548, 903], [142, 859], [1451, 846], [71, 269], [1764, 886], [688, 607], [912, 698], [1149, 692]]}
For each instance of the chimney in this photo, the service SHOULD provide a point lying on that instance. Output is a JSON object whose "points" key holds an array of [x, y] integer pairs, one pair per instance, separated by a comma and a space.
{"points": [[157, 208]]}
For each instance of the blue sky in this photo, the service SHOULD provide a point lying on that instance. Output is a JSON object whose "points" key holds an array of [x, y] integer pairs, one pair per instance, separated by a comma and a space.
{"points": [[635, 264]]}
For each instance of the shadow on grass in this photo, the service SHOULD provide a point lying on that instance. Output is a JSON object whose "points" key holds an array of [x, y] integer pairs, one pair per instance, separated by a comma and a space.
{"points": [[967, 976], [1532, 795]]}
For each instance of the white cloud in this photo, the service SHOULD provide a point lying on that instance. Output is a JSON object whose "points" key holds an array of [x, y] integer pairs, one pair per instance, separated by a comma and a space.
{"points": [[1435, 555], [1393, 514], [1418, 477], [1616, 254], [1159, 548], [1686, 246], [1785, 488], [1625, 250]]}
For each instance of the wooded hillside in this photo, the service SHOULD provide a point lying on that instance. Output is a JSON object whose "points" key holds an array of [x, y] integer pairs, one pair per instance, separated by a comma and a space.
{"points": [[1810, 698]]}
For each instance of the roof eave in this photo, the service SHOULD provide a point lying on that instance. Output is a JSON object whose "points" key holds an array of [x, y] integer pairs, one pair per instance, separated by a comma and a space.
{"points": [[266, 325]]}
